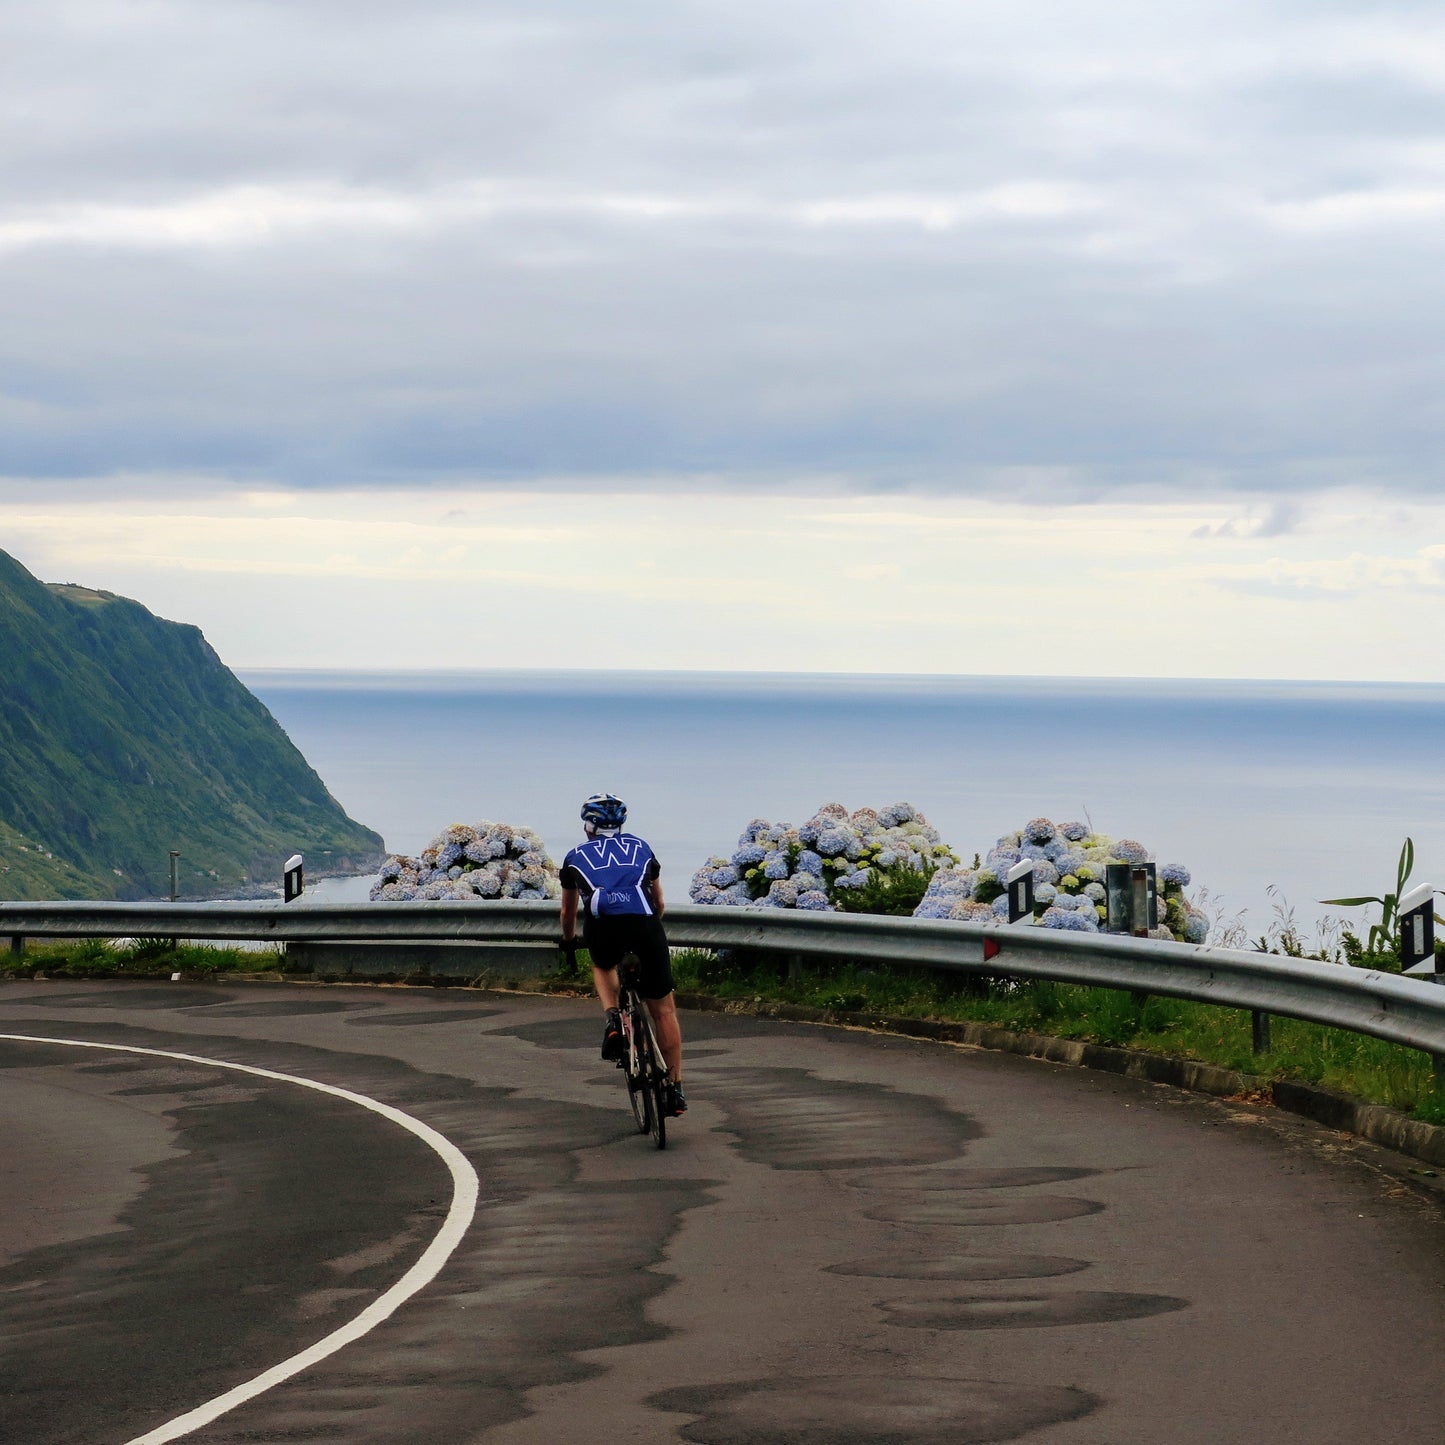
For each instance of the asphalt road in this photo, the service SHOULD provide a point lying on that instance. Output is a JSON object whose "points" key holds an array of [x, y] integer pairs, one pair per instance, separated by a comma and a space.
{"points": [[850, 1238]]}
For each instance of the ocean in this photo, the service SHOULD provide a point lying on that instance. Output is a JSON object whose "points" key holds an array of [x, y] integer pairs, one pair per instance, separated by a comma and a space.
{"points": [[1274, 795]]}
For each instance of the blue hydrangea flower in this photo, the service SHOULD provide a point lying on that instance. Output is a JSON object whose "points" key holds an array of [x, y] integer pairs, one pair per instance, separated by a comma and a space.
{"points": [[814, 901], [966, 912], [1040, 830], [936, 907], [1045, 872], [1046, 893], [1074, 832], [725, 876], [749, 854], [704, 893], [1066, 919], [390, 871], [999, 906], [776, 866], [896, 813], [809, 862], [1126, 850], [1196, 926], [1175, 873]]}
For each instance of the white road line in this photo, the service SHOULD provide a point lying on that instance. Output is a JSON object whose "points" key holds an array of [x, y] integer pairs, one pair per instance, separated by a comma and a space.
{"points": [[465, 1187]]}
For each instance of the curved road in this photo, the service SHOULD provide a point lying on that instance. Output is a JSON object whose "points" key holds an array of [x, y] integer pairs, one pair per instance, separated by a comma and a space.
{"points": [[850, 1238]]}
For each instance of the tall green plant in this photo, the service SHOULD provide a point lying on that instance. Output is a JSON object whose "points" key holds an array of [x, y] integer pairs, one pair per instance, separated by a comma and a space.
{"points": [[1382, 934]]}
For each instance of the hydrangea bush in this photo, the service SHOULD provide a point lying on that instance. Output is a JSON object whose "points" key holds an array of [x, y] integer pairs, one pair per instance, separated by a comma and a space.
{"points": [[1070, 862], [496, 862], [836, 859]]}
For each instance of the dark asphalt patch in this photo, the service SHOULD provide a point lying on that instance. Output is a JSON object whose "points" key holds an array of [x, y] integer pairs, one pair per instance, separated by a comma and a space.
{"points": [[1035, 1209], [1026, 1312], [953, 1177], [864, 1410], [960, 1266], [387, 1020], [131, 996], [587, 1034], [280, 1008], [583, 1033], [793, 1119]]}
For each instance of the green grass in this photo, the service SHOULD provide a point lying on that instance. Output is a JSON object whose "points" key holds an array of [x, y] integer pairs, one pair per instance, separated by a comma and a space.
{"points": [[140, 958], [1366, 1068]]}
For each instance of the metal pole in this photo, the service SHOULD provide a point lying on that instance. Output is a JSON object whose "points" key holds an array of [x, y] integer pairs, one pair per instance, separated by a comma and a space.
{"points": [[1259, 1032], [175, 887], [17, 945]]}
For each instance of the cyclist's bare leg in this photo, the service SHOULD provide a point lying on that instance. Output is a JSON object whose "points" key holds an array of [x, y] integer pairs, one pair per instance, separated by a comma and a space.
{"points": [[604, 980], [669, 1034]]}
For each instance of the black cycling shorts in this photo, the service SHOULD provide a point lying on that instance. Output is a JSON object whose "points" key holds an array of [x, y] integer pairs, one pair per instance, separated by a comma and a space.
{"points": [[608, 939]]}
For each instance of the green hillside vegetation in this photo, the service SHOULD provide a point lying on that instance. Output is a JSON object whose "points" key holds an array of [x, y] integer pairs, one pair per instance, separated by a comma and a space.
{"points": [[123, 736]]}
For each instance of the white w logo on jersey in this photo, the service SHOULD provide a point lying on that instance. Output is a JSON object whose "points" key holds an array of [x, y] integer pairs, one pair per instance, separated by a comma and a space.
{"points": [[613, 852]]}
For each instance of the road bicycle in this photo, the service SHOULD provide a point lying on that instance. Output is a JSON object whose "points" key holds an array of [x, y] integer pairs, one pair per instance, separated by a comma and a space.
{"points": [[641, 1063]]}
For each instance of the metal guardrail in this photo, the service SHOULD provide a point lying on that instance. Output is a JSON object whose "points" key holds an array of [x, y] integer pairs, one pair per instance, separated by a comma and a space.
{"points": [[1385, 1006]]}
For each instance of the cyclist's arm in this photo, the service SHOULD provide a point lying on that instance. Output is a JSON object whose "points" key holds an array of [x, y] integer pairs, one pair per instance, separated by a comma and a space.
{"points": [[569, 914], [654, 893]]}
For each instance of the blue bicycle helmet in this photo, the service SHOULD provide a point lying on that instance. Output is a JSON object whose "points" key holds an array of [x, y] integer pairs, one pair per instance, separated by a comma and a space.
{"points": [[602, 810]]}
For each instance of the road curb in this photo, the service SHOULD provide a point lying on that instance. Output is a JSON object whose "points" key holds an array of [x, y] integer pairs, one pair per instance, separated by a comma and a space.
{"points": [[1377, 1123]]}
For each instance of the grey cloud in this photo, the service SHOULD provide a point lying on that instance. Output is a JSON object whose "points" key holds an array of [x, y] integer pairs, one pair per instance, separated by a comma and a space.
{"points": [[1104, 301]]}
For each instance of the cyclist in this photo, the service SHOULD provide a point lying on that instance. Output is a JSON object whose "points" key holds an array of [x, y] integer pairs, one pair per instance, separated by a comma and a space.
{"points": [[616, 876]]}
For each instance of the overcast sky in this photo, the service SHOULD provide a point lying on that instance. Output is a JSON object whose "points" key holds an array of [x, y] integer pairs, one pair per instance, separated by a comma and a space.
{"points": [[1077, 338]]}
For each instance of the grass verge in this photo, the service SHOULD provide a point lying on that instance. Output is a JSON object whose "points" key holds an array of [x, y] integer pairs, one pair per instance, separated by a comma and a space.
{"points": [[134, 958]]}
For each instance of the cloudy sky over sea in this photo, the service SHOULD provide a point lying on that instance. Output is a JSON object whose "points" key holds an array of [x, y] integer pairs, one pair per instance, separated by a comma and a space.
{"points": [[1006, 337]]}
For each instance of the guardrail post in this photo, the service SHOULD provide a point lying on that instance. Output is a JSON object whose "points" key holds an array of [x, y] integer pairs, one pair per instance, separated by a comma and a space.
{"points": [[1259, 1032], [795, 967], [17, 945]]}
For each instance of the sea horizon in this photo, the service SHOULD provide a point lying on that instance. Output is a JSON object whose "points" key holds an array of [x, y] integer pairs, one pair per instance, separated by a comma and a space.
{"points": [[1275, 793]]}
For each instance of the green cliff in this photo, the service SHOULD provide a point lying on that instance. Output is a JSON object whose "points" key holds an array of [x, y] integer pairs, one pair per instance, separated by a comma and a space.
{"points": [[123, 736]]}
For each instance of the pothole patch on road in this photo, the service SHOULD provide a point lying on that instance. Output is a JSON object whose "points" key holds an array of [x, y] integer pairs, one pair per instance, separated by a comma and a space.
{"points": [[954, 1176], [1036, 1209], [970, 1267], [1027, 1312], [869, 1410]]}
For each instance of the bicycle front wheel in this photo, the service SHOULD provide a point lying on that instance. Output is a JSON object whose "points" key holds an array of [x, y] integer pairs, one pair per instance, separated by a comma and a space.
{"points": [[657, 1093]]}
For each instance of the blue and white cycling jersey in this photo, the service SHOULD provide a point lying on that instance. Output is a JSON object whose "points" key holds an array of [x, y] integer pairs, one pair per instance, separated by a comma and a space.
{"points": [[611, 872]]}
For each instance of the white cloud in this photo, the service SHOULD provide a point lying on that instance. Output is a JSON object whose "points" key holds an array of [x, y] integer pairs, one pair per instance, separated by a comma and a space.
{"points": [[463, 578]]}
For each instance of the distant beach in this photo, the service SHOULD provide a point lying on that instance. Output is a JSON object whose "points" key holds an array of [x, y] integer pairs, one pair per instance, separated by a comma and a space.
{"points": [[1306, 788]]}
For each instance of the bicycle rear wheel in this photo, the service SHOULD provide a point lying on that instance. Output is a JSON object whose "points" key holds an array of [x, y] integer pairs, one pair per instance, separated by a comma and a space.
{"points": [[637, 1070], [654, 1075]]}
